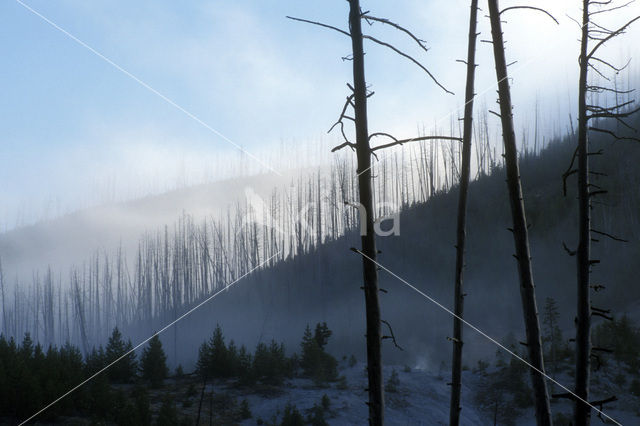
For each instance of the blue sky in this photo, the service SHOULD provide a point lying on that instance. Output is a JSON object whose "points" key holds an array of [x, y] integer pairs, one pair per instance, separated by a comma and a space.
{"points": [[72, 125]]}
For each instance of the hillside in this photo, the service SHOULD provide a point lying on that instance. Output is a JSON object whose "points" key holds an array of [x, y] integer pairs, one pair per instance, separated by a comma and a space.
{"points": [[323, 283]]}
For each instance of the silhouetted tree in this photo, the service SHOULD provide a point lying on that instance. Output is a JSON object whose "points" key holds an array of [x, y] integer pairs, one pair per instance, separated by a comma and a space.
{"points": [[589, 59], [458, 307], [153, 363], [124, 371], [519, 230]]}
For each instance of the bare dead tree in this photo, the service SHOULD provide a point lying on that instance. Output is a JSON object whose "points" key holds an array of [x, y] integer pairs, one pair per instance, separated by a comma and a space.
{"points": [[370, 270], [4, 308], [458, 309], [519, 230], [357, 101], [589, 59]]}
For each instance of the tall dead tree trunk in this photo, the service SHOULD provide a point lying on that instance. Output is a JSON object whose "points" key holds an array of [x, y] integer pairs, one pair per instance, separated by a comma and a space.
{"points": [[458, 309], [520, 233], [4, 310], [369, 268], [582, 412]]}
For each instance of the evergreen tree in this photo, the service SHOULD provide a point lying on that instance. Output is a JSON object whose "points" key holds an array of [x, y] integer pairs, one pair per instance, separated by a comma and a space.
{"points": [[124, 370], [292, 416], [552, 334], [315, 362], [322, 334], [168, 414], [154, 362], [310, 352], [214, 359], [245, 362], [218, 354], [95, 361]]}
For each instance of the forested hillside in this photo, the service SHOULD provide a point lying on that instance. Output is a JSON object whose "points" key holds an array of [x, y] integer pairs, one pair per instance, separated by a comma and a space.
{"points": [[320, 282]]}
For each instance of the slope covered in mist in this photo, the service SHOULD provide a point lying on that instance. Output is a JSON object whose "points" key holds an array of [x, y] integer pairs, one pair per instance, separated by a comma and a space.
{"points": [[66, 240], [323, 284]]}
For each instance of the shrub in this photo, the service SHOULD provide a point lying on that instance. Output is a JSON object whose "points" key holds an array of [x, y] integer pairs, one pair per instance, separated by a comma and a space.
{"points": [[342, 383], [393, 382], [245, 412], [179, 373], [292, 416], [325, 402], [168, 414], [352, 361]]}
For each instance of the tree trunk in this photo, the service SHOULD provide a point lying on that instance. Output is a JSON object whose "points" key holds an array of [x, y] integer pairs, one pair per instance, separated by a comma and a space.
{"points": [[520, 233], [4, 310], [456, 372], [370, 270], [582, 411]]}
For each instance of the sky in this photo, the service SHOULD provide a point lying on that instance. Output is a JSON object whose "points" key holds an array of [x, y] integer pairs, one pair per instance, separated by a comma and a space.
{"points": [[181, 86]]}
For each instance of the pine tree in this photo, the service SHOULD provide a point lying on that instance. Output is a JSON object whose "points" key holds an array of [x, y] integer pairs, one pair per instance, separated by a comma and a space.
{"points": [[310, 353], [553, 334], [154, 362], [218, 354], [168, 414], [315, 362], [322, 334], [124, 370]]}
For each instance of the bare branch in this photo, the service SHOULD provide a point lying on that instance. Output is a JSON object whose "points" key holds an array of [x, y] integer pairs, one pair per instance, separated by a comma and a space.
{"points": [[600, 89], [533, 8], [618, 116], [609, 132], [564, 395], [595, 12], [605, 316], [344, 145], [392, 337], [599, 349], [399, 52], [613, 34], [574, 20], [420, 42], [568, 250], [570, 170], [373, 135], [598, 71], [604, 401], [402, 141], [321, 25], [611, 109], [604, 234]]}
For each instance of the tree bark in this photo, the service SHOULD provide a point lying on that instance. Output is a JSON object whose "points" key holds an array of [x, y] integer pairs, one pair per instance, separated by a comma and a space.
{"points": [[458, 309], [370, 270], [582, 412], [520, 233]]}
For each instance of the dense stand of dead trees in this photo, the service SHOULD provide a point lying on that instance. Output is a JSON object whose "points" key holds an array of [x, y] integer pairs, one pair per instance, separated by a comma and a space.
{"points": [[181, 263]]}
